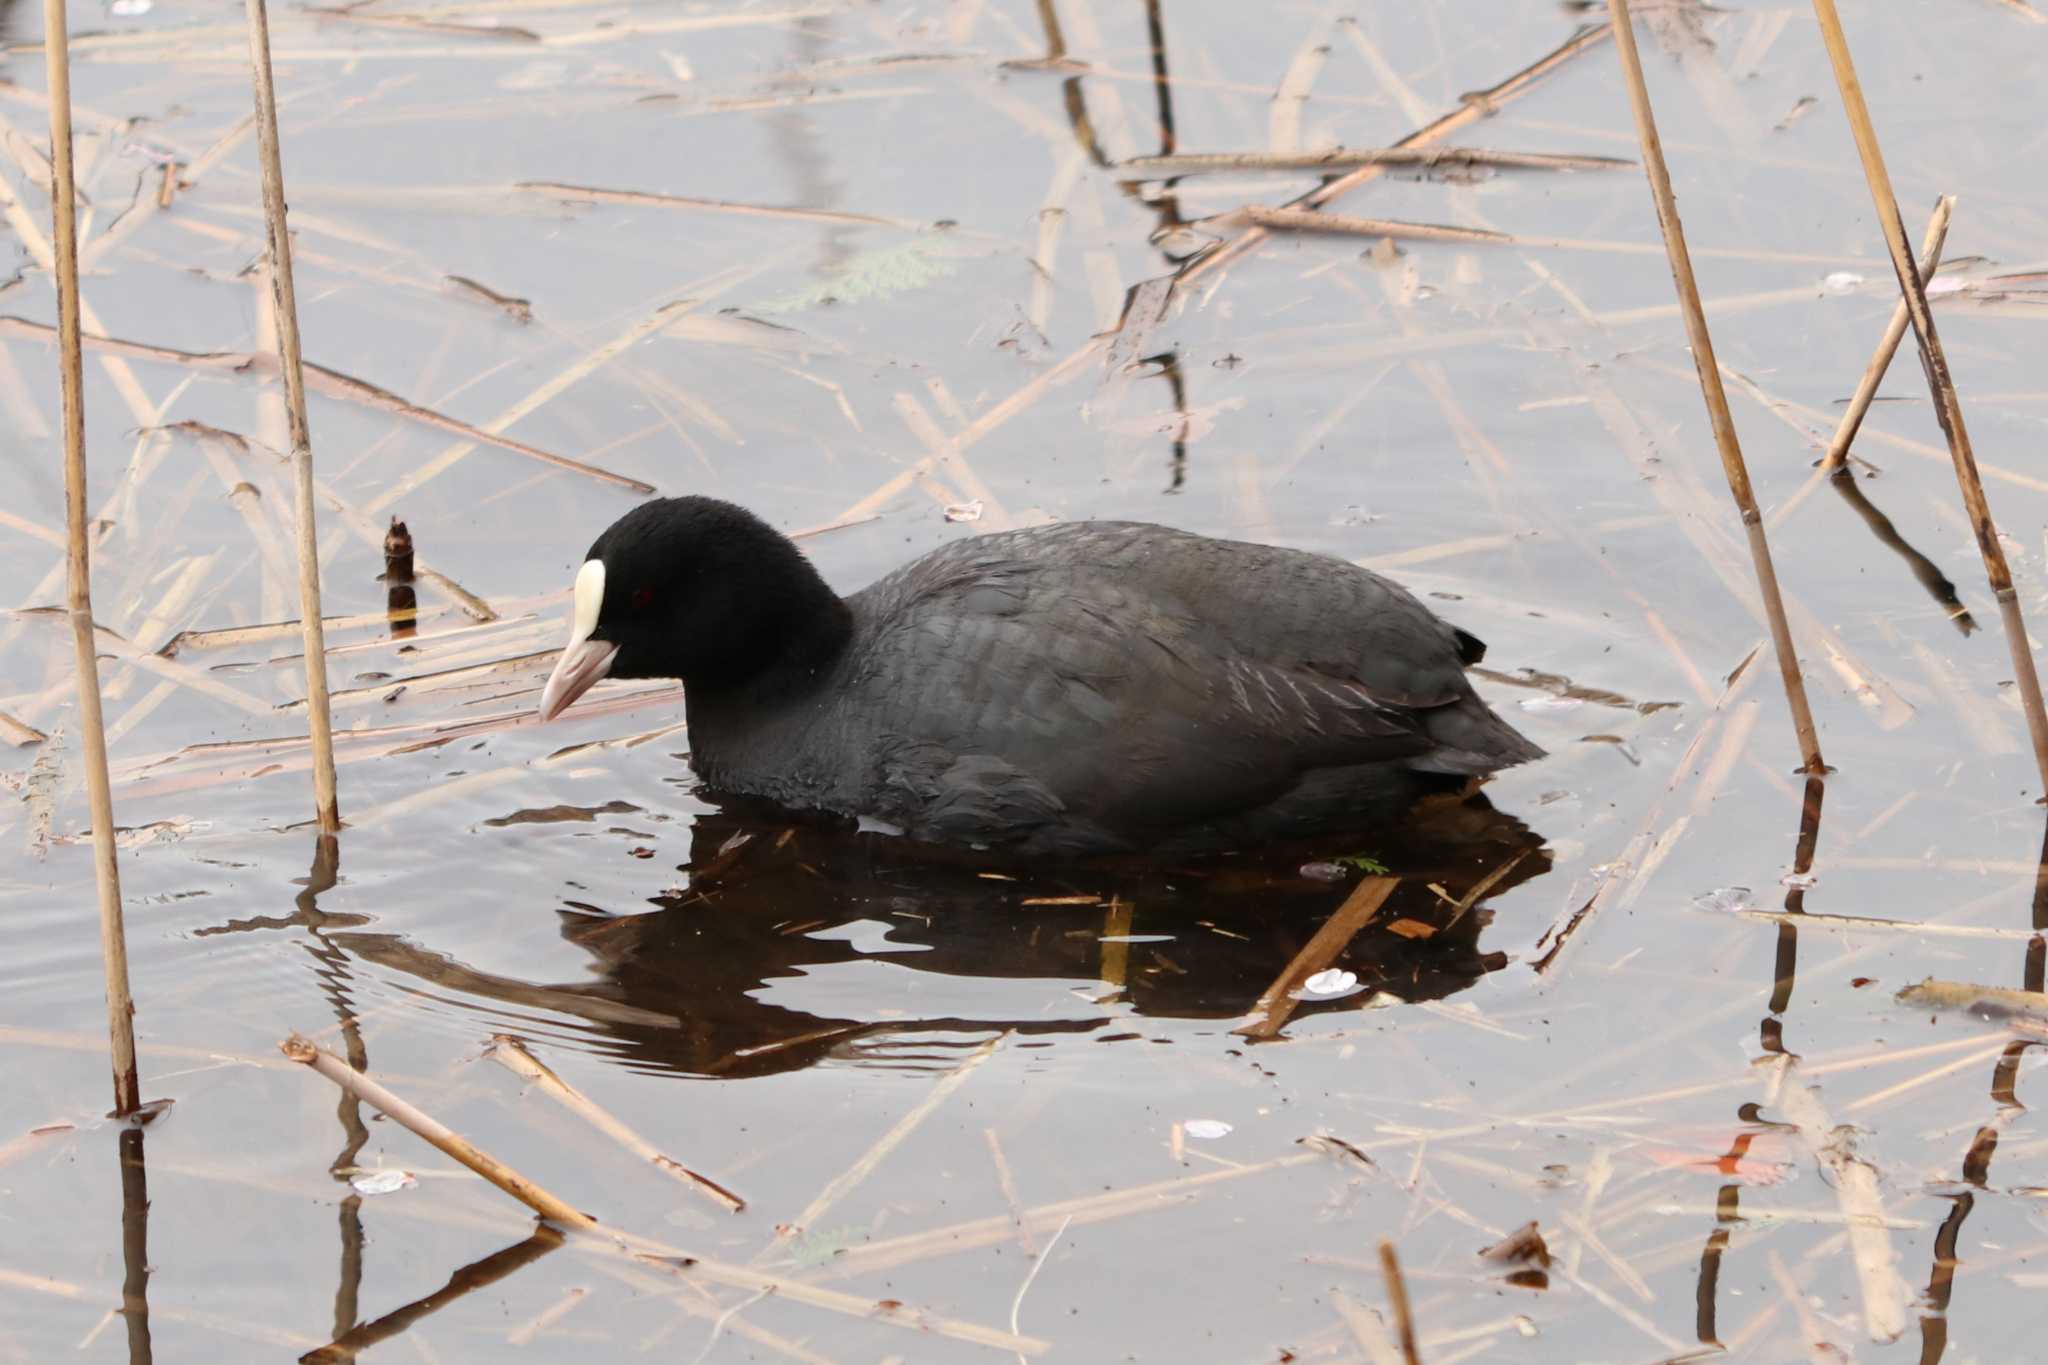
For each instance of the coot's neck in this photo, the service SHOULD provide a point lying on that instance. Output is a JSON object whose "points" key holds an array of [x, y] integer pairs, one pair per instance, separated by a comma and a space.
{"points": [[815, 634], [798, 629], [749, 723]]}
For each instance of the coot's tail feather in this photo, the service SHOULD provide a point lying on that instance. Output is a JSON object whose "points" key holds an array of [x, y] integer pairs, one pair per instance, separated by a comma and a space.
{"points": [[1471, 741]]}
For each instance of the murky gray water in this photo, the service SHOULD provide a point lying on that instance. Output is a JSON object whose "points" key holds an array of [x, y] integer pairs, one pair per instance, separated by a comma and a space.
{"points": [[852, 266]]}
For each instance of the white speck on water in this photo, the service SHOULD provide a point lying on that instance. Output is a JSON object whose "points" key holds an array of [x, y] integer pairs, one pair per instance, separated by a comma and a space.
{"points": [[964, 511], [1329, 984], [1841, 282], [1206, 1128], [1798, 881], [536, 76], [1551, 703], [383, 1182], [129, 9], [1724, 899], [1947, 284]]}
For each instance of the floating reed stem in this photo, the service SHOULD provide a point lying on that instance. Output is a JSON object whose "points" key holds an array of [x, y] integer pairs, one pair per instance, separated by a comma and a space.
{"points": [[507, 1052], [1947, 407], [78, 563], [1345, 158], [1888, 346], [1472, 107], [1312, 220], [289, 364], [1732, 464]]}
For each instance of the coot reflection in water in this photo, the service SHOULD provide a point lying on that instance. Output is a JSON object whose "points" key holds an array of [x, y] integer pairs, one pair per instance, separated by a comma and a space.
{"points": [[697, 986]]}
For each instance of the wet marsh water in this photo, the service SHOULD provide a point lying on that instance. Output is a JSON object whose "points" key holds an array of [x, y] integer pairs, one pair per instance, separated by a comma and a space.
{"points": [[855, 266]]}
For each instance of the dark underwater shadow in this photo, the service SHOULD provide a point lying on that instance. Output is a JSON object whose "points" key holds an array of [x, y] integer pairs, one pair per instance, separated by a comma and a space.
{"points": [[688, 987]]}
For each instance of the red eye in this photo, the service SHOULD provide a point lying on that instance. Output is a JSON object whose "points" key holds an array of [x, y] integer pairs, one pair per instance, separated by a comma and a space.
{"points": [[643, 598]]}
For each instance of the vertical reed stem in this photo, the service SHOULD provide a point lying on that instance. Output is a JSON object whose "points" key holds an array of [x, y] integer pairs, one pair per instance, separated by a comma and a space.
{"points": [[78, 564], [1397, 1300], [1947, 407], [287, 308], [1732, 464]]}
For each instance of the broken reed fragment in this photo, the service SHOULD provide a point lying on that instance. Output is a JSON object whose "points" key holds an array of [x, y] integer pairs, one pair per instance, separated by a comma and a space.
{"points": [[78, 567], [1276, 1006], [508, 1052], [1947, 407], [1732, 464], [1888, 345]]}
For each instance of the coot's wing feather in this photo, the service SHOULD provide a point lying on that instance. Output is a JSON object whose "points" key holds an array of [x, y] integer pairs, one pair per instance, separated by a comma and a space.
{"points": [[1083, 673]]}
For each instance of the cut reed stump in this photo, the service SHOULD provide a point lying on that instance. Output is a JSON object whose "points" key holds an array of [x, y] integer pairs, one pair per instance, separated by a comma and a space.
{"points": [[1947, 407], [1732, 464], [64, 234], [285, 300]]}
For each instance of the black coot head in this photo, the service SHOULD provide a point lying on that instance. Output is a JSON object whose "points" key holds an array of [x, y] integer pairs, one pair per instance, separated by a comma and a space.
{"points": [[688, 588]]}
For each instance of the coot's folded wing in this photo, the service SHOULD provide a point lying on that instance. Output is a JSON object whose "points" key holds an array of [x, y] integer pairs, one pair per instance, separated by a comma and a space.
{"points": [[1000, 683]]}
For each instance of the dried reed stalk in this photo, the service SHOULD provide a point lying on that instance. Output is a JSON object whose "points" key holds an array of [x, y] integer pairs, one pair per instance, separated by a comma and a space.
{"points": [[1310, 220], [285, 302], [506, 1051], [1710, 388], [616, 1241], [432, 1130], [1894, 333], [1947, 407], [1343, 158], [843, 1184], [70, 362], [1476, 105], [1274, 1008]]}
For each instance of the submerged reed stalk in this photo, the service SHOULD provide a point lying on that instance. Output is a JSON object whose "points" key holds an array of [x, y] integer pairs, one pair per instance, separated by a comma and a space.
{"points": [[78, 563], [289, 364], [1732, 464], [1888, 345], [1947, 407]]}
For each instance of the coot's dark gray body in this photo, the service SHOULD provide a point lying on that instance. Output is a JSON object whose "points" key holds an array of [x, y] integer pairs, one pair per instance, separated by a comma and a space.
{"points": [[1095, 687]]}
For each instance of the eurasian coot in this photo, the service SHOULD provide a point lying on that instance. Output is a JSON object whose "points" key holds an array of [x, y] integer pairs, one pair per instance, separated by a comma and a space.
{"points": [[1079, 688]]}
